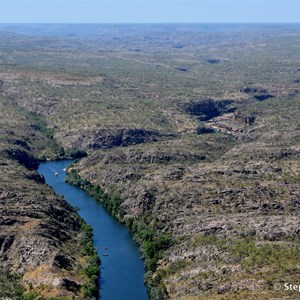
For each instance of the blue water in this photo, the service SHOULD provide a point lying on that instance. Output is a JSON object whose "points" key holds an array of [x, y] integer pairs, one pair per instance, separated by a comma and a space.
{"points": [[122, 269]]}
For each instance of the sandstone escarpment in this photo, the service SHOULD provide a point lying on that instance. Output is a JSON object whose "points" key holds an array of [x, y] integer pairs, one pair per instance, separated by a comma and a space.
{"points": [[192, 139], [40, 232], [92, 139], [233, 212]]}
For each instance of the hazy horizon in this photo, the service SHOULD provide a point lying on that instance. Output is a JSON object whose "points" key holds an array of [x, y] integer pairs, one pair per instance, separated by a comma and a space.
{"points": [[149, 11]]}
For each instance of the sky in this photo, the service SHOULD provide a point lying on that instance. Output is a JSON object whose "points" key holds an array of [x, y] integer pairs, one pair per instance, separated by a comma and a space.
{"points": [[150, 11]]}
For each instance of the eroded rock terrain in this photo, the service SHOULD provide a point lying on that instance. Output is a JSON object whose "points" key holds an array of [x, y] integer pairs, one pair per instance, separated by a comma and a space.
{"points": [[192, 140], [40, 232]]}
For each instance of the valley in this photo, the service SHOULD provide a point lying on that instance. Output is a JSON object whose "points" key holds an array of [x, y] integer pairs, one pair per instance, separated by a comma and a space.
{"points": [[188, 134]]}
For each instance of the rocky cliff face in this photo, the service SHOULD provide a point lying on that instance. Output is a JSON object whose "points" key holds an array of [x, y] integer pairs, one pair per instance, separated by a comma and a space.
{"points": [[92, 139], [40, 232], [227, 209], [208, 109]]}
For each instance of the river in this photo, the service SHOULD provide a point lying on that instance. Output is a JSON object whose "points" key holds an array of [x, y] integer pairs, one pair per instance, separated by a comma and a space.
{"points": [[122, 269]]}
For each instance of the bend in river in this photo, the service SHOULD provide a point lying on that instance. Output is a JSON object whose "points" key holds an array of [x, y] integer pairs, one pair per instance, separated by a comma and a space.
{"points": [[122, 269]]}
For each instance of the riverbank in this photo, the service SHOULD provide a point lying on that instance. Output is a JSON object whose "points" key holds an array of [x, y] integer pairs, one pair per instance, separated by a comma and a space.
{"points": [[41, 234], [121, 266], [152, 243], [42, 240]]}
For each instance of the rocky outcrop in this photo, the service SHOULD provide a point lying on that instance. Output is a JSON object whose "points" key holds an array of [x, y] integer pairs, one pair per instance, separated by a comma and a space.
{"points": [[22, 157], [36, 177], [263, 97], [205, 110], [259, 94], [204, 130], [208, 109], [107, 138], [66, 284], [38, 230]]}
